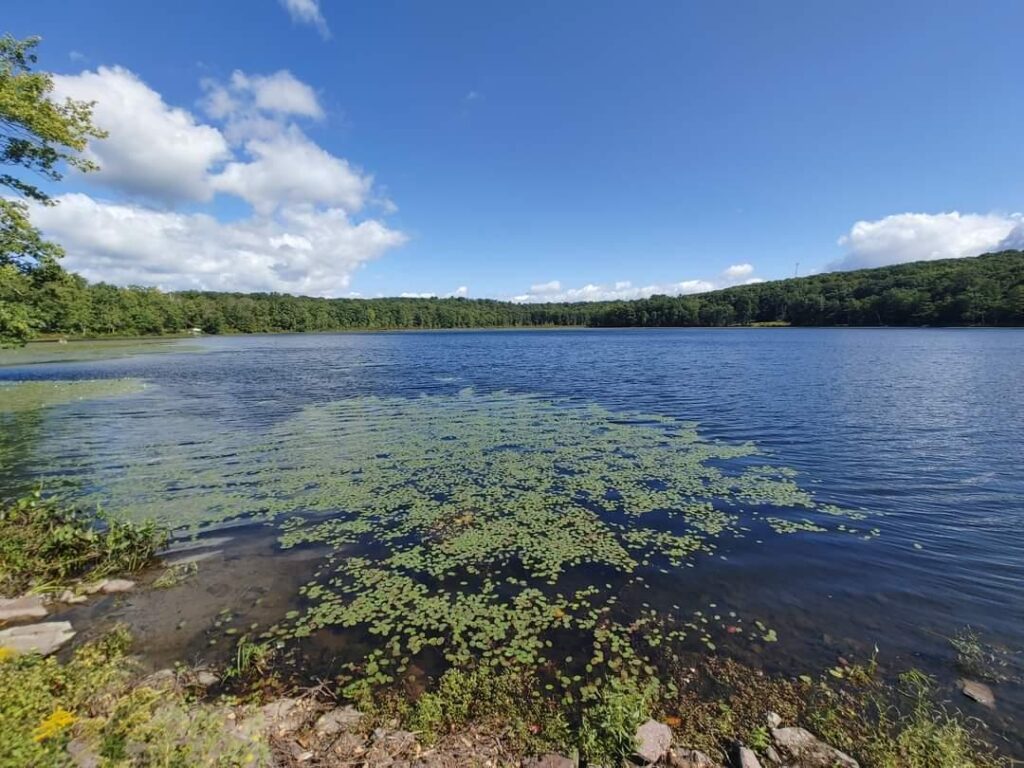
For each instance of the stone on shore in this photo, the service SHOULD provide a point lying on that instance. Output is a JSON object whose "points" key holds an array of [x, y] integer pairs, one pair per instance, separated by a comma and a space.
{"points": [[337, 720], [42, 638], [285, 716], [690, 758], [653, 740], [808, 751], [69, 597], [980, 692], [550, 760], [114, 586], [745, 758], [18, 608]]}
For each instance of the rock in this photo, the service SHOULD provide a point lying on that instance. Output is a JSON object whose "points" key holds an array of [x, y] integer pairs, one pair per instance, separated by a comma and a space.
{"points": [[388, 746], [162, 679], [690, 758], [550, 760], [96, 586], [772, 755], [42, 638], [114, 586], [27, 607], [653, 740], [69, 597], [980, 692], [745, 758], [205, 678], [774, 719], [337, 720], [802, 746], [81, 755], [284, 716]]}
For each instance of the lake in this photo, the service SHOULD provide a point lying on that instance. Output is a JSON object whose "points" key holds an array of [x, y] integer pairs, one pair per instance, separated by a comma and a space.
{"points": [[884, 505]]}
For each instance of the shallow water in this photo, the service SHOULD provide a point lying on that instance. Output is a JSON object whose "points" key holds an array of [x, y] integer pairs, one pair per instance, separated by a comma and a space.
{"points": [[921, 429]]}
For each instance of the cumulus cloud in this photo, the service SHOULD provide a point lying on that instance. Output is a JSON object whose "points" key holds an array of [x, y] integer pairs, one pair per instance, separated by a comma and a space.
{"points": [[922, 237], [739, 270], [153, 149], [302, 250], [280, 93], [307, 12], [624, 290], [301, 236], [289, 168]]}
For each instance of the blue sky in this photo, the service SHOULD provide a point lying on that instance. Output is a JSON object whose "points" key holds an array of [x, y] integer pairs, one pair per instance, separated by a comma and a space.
{"points": [[392, 147]]}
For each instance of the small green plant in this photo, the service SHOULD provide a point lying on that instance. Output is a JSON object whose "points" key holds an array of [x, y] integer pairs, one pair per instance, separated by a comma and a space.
{"points": [[44, 542], [175, 575], [251, 658], [607, 730]]}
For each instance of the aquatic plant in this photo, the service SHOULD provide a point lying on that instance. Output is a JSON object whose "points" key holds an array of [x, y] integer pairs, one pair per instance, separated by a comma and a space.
{"points": [[45, 541], [30, 395]]}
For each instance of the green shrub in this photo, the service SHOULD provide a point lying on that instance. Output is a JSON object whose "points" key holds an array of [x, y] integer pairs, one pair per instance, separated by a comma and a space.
{"points": [[44, 542]]}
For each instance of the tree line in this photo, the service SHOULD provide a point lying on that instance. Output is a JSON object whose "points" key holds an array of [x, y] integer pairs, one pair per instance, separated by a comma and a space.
{"points": [[982, 291]]}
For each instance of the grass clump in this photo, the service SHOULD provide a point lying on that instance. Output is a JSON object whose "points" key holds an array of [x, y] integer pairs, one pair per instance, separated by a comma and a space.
{"points": [[44, 543], [91, 699]]}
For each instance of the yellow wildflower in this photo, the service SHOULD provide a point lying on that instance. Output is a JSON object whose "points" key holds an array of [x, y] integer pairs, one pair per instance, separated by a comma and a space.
{"points": [[6, 653], [54, 724]]}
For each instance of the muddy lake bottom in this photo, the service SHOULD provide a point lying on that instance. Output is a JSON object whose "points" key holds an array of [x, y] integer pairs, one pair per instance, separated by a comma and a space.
{"points": [[919, 431]]}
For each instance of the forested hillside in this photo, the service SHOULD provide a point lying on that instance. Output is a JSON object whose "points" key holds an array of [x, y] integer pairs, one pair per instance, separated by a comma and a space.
{"points": [[987, 290]]}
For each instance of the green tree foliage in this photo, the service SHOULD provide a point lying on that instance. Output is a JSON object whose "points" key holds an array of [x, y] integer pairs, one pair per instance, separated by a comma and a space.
{"points": [[38, 137], [984, 291]]}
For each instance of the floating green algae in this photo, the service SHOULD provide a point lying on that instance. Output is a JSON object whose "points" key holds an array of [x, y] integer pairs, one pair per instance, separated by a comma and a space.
{"points": [[31, 395], [495, 529], [36, 352]]}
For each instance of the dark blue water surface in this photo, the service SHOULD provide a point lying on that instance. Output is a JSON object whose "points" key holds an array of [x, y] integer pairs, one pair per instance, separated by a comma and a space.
{"points": [[923, 427]]}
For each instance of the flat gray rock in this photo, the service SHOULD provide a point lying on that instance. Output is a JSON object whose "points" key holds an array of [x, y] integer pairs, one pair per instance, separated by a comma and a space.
{"points": [[808, 751], [653, 740], [690, 758], [114, 586], [745, 758], [27, 607], [337, 720], [42, 638], [980, 692], [550, 760]]}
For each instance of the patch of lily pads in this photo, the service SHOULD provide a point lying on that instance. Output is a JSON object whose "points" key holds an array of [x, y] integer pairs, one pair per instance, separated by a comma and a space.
{"points": [[496, 529]]}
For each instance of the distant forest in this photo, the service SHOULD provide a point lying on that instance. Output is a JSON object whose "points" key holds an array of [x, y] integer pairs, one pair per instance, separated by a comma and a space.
{"points": [[983, 291]]}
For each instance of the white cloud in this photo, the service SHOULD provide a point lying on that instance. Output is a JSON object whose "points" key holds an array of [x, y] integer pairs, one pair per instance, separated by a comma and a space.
{"points": [[153, 149], [624, 290], [739, 270], [553, 286], [288, 168], [301, 250], [301, 236], [307, 12], [280, 93], [921, 237], [77, 56], [461, 292]]}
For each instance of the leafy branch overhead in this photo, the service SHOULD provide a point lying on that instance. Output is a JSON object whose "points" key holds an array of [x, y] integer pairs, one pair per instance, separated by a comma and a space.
{"points": [[39, 136]]}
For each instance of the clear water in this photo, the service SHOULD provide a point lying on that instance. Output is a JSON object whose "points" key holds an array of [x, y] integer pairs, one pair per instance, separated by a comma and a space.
{"points": [[924, 428]]}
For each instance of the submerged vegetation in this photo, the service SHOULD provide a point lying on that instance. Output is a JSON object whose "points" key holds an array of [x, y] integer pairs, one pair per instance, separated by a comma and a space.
{"points": [[30, 395], [985, 291], [45, 543]]}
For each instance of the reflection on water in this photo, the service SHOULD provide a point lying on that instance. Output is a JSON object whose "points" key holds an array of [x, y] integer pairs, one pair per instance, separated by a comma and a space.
{"points": [[924, 429]]}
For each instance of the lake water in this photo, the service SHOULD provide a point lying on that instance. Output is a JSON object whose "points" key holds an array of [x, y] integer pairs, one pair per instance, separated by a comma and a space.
{"points": [[921, 431]]}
